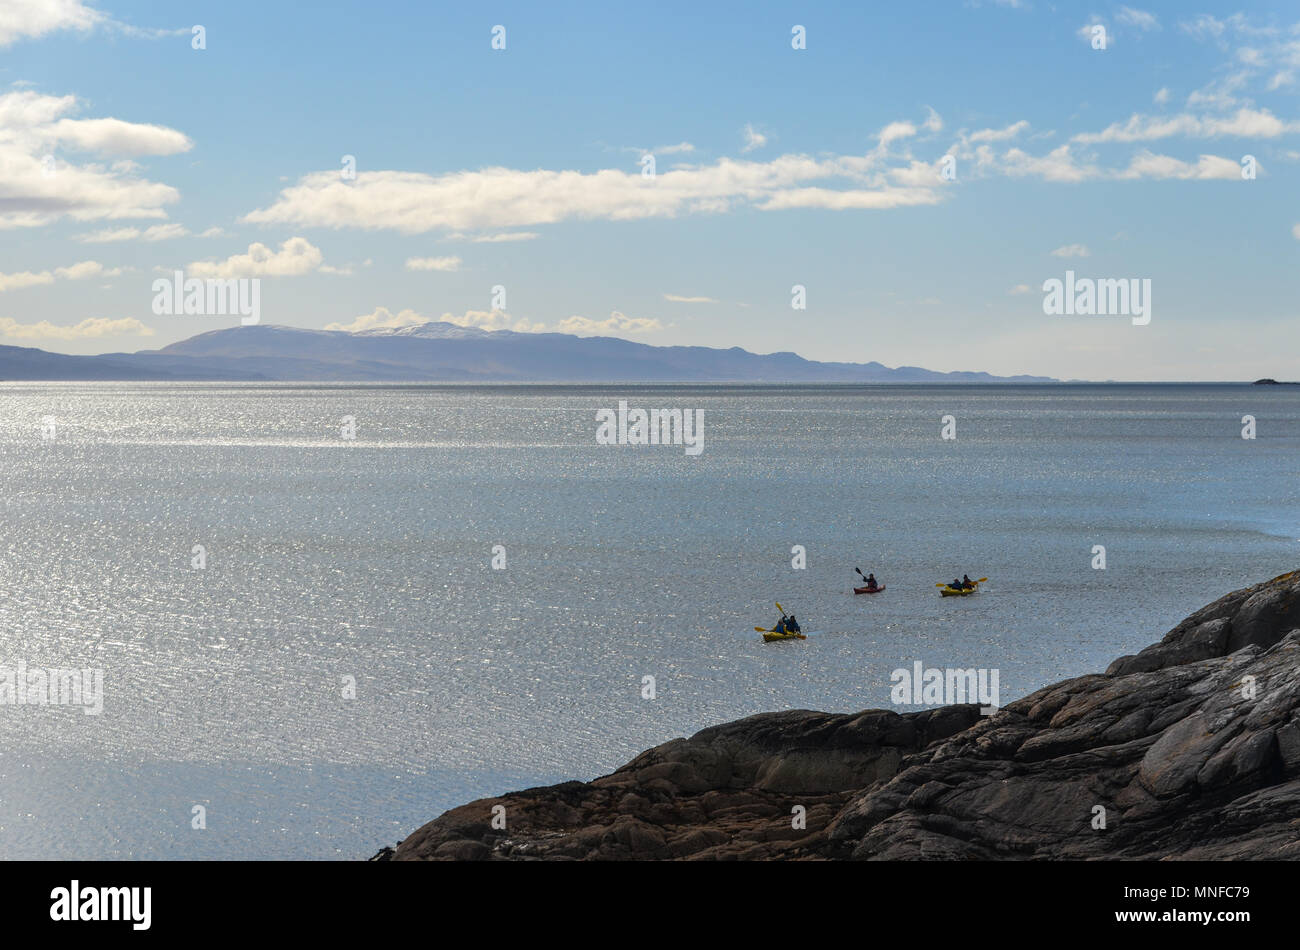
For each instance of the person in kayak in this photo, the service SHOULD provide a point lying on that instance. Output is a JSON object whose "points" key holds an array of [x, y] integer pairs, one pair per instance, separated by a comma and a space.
{"points": [[780, 626], [791, 625], [966, 582], [871, 582], [956, 585]]}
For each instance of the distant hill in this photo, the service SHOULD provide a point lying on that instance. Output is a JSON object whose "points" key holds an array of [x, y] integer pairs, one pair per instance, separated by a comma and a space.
{"points": [[28, 363], [444, 352]]}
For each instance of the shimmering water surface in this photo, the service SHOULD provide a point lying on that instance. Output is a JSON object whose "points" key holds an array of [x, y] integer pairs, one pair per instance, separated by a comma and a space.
{"points": [[371, 558]]}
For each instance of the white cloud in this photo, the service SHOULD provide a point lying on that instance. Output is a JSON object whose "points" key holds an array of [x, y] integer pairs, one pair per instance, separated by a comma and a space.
{"points": [[414, 202], [1220, 94], [1061, 165], [164, 232], [505, 237], [40, 186], [35, 121], [1246, 123], [25, 279], [1140, 19], [895, 131], [1057, 165], [158, 232], [1149, 165], [1161, 97], [380, 318], [297, 256], [32, 19], [82, 270], [676, 299], [753, 139], [90, 327], [383, 318], [998, 135], [1280, 79], [888, 176], [21, 19], [433, 263], [1295, 232], [491, 320], [109, 235], [845, 200], [680, 147], [115, 137], [1268, 55], [1071, 250], [616, 322], [917, 175], [1204, 26], [1020, 289]]}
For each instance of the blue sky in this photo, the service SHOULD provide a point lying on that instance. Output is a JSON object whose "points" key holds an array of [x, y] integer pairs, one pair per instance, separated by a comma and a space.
{"points": [[774, 166]]}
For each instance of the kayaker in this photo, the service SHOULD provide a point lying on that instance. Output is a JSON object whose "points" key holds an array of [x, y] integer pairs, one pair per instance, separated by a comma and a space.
{"points": [[966, 582], [792, 625], [871, 582], [956, 585], [780, 626]]}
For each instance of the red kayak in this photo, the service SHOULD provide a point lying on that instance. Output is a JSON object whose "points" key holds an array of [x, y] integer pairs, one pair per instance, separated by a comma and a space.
{"points": [[868, 590]]}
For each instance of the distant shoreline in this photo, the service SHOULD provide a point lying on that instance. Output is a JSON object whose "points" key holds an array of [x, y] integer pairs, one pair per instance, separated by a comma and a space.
{"points": [[644, 384]]}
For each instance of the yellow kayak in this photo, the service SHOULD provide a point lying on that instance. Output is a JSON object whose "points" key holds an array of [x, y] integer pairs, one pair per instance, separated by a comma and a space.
{"points": [[954, 592], [770, 635]]}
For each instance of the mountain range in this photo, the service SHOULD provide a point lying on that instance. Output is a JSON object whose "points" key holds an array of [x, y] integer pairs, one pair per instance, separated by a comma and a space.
{"points": [[444, 352]]}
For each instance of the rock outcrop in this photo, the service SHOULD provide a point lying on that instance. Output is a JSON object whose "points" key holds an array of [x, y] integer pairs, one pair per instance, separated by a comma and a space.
{"points": [[1189, 749]]}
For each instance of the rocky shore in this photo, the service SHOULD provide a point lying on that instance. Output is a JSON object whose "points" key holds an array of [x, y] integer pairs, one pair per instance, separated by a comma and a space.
{"points": [[1189, 749]]}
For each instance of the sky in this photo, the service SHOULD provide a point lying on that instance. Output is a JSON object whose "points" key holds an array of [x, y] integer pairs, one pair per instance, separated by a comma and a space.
{"points": [[920, 170]]}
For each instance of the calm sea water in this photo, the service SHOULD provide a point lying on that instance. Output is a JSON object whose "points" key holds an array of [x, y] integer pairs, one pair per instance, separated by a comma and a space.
{"points": [[329, 558]]}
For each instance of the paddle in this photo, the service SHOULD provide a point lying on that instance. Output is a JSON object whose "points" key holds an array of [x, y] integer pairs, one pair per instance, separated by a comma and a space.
{"points": [[864, 577]]}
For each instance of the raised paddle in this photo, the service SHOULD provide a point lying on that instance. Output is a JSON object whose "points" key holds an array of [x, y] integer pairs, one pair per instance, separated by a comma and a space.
{"points": [[861, 575], [870, 586], [763, 629]]}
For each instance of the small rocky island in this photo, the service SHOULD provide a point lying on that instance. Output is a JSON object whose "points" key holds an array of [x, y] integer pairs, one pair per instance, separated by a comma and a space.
{"points": [[1188, 750]]}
